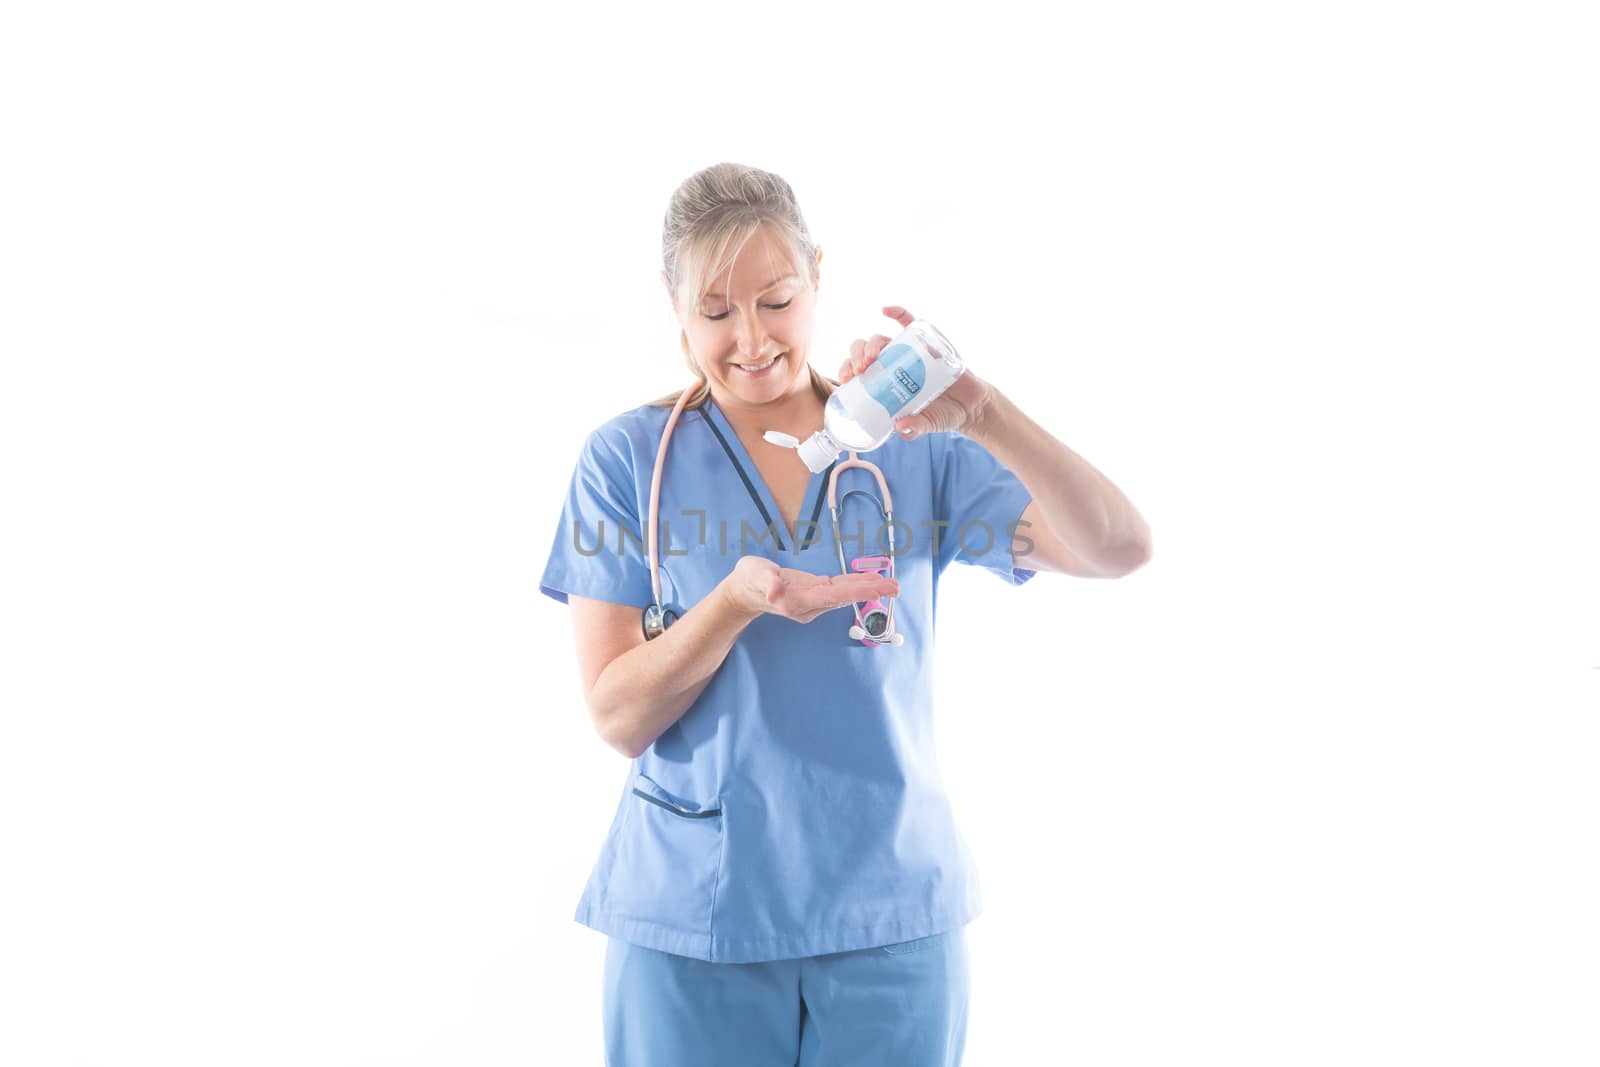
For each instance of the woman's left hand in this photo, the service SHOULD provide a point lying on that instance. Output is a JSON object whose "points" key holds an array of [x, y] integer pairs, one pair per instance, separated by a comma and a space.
{"points": [[962, 407]]}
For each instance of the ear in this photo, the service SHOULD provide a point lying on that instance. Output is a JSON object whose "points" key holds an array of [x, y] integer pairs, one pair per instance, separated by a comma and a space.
{"points": [[818, 283]]}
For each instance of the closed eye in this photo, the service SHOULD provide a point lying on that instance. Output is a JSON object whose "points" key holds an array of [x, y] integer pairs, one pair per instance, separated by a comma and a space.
{"points": [[774, 307]]}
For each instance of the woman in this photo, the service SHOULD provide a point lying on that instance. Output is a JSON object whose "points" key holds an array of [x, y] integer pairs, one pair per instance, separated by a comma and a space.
{"points": [[783, 880]]}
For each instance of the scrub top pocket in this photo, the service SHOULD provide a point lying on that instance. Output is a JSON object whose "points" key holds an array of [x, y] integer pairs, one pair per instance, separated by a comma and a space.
{"points": [[903, 948], [668, 859]]}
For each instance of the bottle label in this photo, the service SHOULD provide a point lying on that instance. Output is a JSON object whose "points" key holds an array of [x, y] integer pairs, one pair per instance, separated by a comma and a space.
{"points": [[895, 378]]}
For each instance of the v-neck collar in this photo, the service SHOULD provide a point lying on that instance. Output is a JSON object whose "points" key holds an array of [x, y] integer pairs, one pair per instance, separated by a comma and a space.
{"points": [[757, 487]]}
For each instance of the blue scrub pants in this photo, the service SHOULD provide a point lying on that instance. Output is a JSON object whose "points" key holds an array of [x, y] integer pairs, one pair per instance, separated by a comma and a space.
{"points": [[903, 1004]]}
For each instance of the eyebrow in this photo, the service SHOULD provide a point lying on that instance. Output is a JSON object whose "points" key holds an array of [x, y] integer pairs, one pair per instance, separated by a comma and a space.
{"points": [[764, 288]]}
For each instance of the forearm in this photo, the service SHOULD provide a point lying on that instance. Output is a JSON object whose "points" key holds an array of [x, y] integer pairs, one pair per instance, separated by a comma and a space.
{"points": [[642, 692], [1089, 514]]}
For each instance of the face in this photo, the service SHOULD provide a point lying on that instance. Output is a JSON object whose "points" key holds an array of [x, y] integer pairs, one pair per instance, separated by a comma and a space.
{"points": [[760, 313]]}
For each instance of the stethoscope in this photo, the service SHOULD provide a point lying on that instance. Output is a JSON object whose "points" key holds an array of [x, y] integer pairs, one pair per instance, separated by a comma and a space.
{"points": [[874, 620]]}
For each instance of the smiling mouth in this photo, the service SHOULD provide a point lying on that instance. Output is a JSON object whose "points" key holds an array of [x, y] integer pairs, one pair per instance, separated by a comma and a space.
{"points": [[756, 368]]}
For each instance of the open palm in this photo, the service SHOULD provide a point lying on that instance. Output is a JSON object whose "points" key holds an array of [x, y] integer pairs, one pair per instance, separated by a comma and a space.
{"points": [[801, 595]]}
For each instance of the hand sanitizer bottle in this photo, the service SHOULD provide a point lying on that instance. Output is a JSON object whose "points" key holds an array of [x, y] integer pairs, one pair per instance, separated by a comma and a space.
{"points": [[907, 376]]}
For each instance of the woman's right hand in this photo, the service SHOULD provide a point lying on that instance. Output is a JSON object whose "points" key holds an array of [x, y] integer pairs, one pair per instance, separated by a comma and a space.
{"points": [[759, 585]]}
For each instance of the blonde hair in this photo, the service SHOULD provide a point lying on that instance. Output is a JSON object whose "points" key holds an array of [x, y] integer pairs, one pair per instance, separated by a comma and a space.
{"points": [[727, 204]]}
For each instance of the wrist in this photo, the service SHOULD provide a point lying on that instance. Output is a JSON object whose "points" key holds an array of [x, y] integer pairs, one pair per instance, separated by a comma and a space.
{"points": [[735, 597], [987, 417]]}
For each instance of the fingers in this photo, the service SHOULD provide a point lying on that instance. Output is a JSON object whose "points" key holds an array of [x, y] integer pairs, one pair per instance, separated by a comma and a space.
{"points": [[842, 594], [848, 369], [862, 587], [845, 585], [862, 353], [873, 350]]}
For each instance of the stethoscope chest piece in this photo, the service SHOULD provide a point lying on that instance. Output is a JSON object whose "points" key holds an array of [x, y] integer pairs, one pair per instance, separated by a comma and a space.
{"points": [[874, 623], [656, 619]]}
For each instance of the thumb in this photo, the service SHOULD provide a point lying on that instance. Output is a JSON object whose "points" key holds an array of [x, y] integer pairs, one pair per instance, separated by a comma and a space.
{"points": [[912, 426], [937, 417]]}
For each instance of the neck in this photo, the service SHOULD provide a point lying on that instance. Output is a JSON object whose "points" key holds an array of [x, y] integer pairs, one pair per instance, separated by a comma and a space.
{"points": [[797, 413]]}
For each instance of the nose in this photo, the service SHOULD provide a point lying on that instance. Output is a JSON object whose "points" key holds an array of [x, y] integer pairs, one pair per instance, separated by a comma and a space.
{"points": [[752, 337]]}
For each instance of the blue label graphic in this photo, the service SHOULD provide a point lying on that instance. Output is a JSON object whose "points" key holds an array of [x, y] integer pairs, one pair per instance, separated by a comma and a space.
{"points": [[895, 378]]}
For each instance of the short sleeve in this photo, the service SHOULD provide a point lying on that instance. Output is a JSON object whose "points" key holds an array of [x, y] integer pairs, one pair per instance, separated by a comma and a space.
{"points": [[598, 550], [982, 501]]}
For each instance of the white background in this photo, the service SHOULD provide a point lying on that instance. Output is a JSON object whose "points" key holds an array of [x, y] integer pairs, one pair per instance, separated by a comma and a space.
{"points": [[306, 309]]}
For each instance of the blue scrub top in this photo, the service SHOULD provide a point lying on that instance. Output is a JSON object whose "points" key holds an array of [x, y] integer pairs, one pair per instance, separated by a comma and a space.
{"points": [[796, 808]]}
